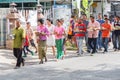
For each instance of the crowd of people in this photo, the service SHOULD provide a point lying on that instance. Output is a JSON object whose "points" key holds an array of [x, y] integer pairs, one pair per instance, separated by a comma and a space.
{"points": [[97, 33]]}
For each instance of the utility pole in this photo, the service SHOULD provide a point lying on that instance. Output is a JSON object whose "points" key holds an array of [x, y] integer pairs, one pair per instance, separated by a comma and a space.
{"points": [[102, 7], [38, 1]]}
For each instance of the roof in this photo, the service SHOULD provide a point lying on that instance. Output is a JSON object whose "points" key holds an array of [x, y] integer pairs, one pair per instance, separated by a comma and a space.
{"points": [[25, 1], [17, 1]]}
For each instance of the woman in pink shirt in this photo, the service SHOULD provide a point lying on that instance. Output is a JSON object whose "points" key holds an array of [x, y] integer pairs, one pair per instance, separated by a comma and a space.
{"points": [[59, 31], [42, 33]]}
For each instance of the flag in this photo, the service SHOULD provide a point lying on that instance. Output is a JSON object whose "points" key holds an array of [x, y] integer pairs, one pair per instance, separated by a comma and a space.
{"points": [[85, 3]]}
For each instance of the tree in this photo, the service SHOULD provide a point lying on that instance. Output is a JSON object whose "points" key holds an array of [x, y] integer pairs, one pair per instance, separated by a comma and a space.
{"points": [[86, 7]]}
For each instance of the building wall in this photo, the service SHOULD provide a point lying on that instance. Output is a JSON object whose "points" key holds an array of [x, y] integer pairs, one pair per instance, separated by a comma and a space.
{"points": [[106, 9]]}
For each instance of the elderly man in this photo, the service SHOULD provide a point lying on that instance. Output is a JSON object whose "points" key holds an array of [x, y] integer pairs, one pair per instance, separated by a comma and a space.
{"points": [[93, 30], [18, 43]]}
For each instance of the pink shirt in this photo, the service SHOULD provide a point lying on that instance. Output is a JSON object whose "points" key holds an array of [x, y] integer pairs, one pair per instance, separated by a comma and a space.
{"points": [[92, 33], [43, 29], [59, 32]]}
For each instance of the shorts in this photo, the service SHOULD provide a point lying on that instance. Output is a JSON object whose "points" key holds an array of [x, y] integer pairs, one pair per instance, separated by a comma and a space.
{"points": [[70, 36]]}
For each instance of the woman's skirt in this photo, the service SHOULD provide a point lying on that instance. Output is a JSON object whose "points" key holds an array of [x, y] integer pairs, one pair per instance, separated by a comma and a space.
{"points": [[41, 49]]}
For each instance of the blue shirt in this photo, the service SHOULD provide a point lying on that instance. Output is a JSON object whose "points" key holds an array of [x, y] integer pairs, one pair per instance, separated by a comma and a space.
{"points": [[86, 23], [101, 21]]}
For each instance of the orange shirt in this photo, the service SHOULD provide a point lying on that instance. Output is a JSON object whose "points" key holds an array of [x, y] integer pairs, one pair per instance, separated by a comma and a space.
{"points": [[70, 30], [106, 32]]}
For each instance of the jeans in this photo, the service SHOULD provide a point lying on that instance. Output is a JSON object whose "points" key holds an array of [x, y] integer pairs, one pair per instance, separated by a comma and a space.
{"points": [[18, 54], [92, 43], [117, 41], [105, 44], [99, 40], [113, 39], [63, 46], [26, 48], [86, 41], [79, 43]]}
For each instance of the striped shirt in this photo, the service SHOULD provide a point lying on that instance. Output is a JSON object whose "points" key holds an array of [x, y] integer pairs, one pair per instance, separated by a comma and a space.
{"points": [[81, 30]]}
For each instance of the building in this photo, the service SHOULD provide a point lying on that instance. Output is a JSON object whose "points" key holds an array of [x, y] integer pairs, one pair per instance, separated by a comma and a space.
{"points": [[28, 8], [108, 7]]}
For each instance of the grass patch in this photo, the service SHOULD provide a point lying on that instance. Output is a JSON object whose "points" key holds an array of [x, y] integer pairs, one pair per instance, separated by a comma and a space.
{"points": [[70, 46]]}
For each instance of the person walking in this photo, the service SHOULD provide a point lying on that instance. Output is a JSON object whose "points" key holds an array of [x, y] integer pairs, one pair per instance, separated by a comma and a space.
{"points": [[116, 35], [42, 33], [18, 43], [69, 36], [99, 39], [93, 30], [26, 47], [80, 31], [64, 37], [106, 29], [85, 21], [51, 37], [30, 35], [59, 31]]}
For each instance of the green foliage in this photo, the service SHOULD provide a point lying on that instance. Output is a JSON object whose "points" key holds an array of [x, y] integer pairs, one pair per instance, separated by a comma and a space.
{"points": [[70, 46], [86, 7]]}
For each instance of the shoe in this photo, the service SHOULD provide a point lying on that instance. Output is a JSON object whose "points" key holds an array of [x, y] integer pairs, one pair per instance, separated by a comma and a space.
{"points": [[118, 49], [100, 49], [32, 53], [16, 67], [115, 50], [88, 51], [105, 52], [45, 59], [41, 62], [77, 52], [23, 63], [91, 54], [24, 56]]}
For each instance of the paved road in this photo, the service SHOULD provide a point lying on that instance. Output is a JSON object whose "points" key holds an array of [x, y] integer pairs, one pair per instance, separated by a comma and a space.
{"points": [[97, 67]]}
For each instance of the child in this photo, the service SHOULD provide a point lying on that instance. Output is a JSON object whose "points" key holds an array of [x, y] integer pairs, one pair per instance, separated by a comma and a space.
{"points": [[26, 47]]}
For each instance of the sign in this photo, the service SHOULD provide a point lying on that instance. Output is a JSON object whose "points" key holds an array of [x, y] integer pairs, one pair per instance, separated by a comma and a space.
{"points": [[61, 6], [62, 11]]}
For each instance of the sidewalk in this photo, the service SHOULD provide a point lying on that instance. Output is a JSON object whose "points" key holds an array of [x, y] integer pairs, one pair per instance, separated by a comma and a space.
{"points": [[97, 67]]}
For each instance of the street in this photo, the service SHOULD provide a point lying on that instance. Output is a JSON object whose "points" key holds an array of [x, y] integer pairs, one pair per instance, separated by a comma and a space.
{"points": [[98, 67]]}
